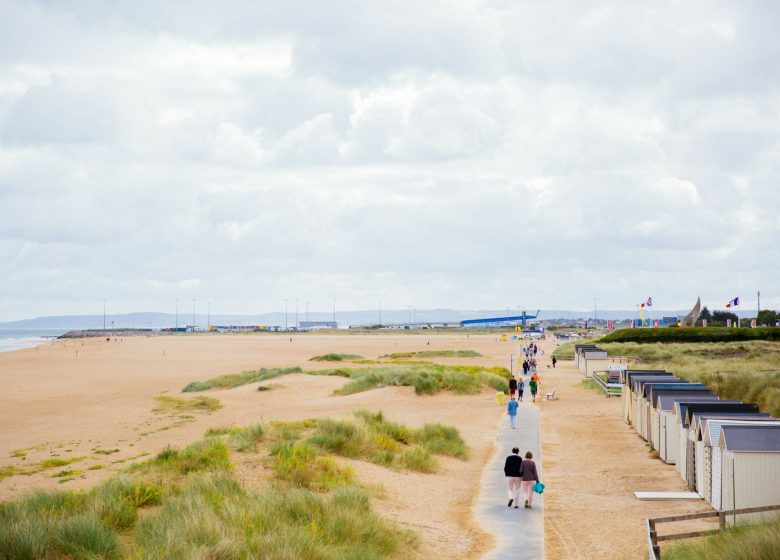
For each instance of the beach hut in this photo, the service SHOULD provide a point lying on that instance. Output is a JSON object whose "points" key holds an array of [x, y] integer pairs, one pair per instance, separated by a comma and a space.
{"points": [[689, 432], [625, 393], [680, 390], [578, 350], [748, 467], [589, 357], [647, 401], [708, 439], [681, 412], [667, 422], [640, 410]]}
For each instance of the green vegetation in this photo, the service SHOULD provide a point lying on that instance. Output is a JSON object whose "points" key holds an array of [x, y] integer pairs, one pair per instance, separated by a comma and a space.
{"points": [[692, 334], [56, 462], [373, 438], [427, 379], [759, 541], [337, 358], [749, 371], [232, 380], [434, 354], [566, 350], [186, 504], [175, 405], [6, 471], [106, 451]]}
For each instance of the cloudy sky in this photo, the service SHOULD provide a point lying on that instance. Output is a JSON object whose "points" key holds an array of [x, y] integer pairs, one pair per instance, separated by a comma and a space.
{"points": [[469, 154]]}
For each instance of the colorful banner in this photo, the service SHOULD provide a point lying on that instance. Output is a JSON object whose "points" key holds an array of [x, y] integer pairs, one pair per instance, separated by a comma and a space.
{"points": [[752, 323], [610, 325], [728, 322], [704, 323], [655, 324]]}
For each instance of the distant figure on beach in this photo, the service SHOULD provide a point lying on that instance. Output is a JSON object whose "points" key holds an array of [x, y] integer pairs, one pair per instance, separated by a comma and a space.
{"points": [[513, 479], [520, 389], [534, 386], [554, 361], [530, 477], [511, 410], [512, 386], [525, 367]]}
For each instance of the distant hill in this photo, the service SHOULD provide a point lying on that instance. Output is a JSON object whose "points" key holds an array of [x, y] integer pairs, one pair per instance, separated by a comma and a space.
{"points": [[344, 318]]}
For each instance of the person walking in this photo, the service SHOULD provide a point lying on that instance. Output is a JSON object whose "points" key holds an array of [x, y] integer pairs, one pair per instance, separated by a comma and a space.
{"points": [[529, 477], [513, 479], [534, 386], [525, 367], [511, 410], [554, 361], [512, 386], [520, 389]]}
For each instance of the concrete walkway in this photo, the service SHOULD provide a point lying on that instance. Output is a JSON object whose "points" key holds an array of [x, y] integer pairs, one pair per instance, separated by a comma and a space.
{"points": [[519, 532]]}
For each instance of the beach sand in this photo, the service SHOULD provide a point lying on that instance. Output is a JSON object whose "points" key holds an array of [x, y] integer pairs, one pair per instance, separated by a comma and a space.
{"points": [[73, 398]]}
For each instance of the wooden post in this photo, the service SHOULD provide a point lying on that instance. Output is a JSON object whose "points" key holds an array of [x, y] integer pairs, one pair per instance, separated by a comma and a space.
{"points": [[721, 521]]}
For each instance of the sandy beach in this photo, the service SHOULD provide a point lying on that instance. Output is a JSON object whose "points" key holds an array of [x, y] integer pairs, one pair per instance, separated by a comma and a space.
{"points": [[94, 399]]}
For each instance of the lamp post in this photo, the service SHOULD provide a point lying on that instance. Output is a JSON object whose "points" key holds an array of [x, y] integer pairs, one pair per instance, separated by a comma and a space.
{"points": [[208, 315], [193, 315], [177, 313], [285, 314]]}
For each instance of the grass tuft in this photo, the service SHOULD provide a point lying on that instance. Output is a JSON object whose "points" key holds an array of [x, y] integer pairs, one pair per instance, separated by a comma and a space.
{"points": [[233, 380], [175, 405], [337, 358], [755, 541], [434, 354]]}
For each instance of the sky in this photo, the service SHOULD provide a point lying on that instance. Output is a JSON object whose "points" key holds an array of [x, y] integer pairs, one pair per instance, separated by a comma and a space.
{"points": [[462, 154]]}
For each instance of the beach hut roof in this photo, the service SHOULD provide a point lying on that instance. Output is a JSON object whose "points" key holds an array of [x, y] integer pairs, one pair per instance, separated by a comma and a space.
{"points": [[672, 394], [755, 439], [669, 400], [652, 388], [642, 382], [717, 406], [634, 373], [681, 405], [709, 428]]}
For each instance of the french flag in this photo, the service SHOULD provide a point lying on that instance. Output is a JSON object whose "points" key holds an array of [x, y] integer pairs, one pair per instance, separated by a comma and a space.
{"points": [[733, 303]]}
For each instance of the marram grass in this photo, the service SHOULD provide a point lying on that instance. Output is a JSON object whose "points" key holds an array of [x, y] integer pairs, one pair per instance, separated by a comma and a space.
{"points": [[185, 503]]}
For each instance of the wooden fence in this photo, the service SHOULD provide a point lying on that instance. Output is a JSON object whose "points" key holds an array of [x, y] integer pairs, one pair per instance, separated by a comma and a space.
{"points": [[654, 549]]}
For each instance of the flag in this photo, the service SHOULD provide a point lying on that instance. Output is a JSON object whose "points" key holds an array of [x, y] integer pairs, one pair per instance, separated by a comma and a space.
{"points": [[649, 302], [733, 303]]}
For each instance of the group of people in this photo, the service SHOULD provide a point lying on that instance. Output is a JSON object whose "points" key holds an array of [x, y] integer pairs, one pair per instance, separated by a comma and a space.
{"points": [[520, 475], [517, 389]]}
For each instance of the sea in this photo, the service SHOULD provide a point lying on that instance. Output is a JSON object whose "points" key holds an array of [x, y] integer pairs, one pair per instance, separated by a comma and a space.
{"points": [[14, 339]]}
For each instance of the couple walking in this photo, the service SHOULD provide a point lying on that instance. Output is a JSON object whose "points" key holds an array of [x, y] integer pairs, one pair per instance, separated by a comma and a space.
{"points": [[520, 475]]}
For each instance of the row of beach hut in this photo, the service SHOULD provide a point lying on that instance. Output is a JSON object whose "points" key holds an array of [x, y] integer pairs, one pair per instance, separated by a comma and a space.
{"points": [[584, 353], [725, 450]]}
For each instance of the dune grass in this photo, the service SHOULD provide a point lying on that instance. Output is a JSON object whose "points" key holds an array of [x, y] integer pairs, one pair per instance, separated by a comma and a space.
{"points": [[749, 371], [434, 354], [426, 378], [757, 541], [174, 405], [233, 380], [187, 504], [566, 350], [337, 358]]}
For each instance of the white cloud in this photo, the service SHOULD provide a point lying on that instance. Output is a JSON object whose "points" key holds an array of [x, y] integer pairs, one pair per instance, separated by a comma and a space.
{"points": [[428, 154]]}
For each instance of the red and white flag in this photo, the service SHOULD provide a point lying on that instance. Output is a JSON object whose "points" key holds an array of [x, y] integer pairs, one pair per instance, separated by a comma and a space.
{"points": [[648, 303], [733, 303]]}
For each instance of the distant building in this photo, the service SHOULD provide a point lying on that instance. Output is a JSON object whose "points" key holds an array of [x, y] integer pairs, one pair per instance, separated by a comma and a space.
{"points": [[315, 325], [669, 320]]}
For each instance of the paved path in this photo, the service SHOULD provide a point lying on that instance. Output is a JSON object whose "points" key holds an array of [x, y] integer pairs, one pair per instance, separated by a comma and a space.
{"points": [[519, 532]]}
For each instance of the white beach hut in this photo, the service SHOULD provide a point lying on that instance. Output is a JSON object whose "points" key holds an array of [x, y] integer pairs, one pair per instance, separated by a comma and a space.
{"points": [[668, 426], [749, 466], [690, 431], [708, 450]]}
